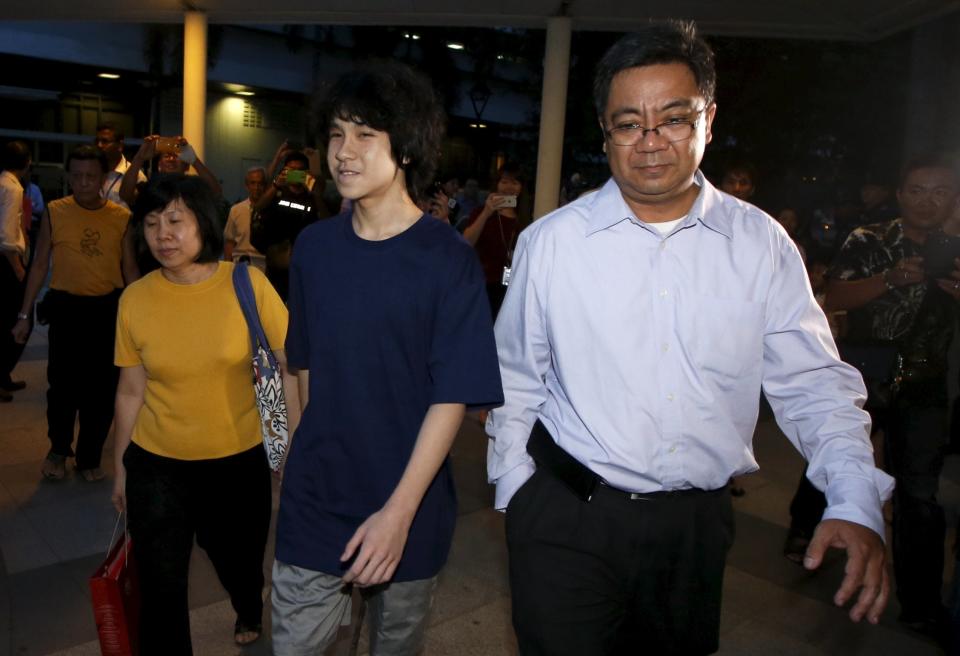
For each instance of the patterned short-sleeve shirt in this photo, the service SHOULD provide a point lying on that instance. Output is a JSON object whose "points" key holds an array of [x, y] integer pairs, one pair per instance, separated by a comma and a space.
{"points": [[919, 312]]}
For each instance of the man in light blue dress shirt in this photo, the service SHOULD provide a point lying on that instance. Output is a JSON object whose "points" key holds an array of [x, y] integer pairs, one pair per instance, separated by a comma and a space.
{"points": [[640, 325]]}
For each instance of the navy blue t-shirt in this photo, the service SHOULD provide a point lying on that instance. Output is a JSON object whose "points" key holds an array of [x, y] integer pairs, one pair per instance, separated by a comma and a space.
{"points": [[386, 329]]}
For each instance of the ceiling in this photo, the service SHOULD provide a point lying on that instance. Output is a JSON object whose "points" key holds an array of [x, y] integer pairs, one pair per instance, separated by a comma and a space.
{"points": [[853, 20]]}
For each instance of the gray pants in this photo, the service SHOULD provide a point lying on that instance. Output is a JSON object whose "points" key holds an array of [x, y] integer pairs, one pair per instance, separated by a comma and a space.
{"points": [[309, 607]]}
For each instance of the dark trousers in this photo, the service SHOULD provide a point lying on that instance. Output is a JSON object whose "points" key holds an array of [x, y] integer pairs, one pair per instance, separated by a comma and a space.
{"points": [[11, 296], [81, 374], [616, 576], [806, 508], [225, 504], [916, 437]]}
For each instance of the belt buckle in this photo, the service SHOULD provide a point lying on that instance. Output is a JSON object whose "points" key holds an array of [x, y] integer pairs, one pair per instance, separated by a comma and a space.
{"points": [[638, 496]]}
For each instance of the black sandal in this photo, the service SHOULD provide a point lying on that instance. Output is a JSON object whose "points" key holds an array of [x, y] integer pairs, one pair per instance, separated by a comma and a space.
{"points": [[241, 627]]}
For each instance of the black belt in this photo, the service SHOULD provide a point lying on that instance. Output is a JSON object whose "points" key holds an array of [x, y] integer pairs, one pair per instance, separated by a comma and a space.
{"points": [[580, 479]]}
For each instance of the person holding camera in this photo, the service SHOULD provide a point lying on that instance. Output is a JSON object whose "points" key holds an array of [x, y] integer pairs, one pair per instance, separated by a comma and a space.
{"points": [[492, 230], [901, 291], [290, 203], [168, 155]]}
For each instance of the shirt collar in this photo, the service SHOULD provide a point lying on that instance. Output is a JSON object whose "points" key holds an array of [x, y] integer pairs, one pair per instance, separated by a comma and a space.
{"points": [[609, 208]]}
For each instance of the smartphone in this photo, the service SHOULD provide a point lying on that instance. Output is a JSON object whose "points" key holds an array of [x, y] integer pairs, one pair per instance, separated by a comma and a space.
{"points": [[295, 176], [508, 201], [168, 145], [939, 252]]}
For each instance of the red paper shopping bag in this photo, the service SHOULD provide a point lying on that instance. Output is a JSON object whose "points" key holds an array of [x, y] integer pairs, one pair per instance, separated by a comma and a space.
{"points": [[115, 593]]}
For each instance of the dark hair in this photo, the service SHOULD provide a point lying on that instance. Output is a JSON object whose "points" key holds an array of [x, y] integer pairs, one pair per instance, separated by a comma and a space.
{"points": [[113, 127], [196, 195], [659, 43], [16, 156], [393, 98], [296, 156], [515, 171], [87, 152], [742, 167], [927, 161]]}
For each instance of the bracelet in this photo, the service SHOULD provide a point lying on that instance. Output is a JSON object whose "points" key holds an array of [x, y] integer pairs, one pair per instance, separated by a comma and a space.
{"points": [[886, 280], [23, 316]]}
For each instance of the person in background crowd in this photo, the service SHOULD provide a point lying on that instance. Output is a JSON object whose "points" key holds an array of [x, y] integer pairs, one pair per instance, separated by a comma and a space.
{"points": [[492, 230], [189, 459], [109, 139], [82, 237], [390, 335], [15, 162], [292, 201], [789, 218], [236, 234], [740, 180], [169, 155], [468, 199], [640, 324], [902, 298]]}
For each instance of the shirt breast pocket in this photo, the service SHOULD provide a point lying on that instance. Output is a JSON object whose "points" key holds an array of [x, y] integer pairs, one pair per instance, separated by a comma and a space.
{"points": [[727, 335]]}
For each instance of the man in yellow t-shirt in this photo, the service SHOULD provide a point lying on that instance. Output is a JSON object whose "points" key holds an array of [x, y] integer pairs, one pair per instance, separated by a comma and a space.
{"points": [[82, 235]]}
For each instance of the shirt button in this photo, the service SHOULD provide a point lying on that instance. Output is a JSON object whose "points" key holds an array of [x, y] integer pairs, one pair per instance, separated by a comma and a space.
{"points": [[673, 449], [669, 397], [663, 245], [664, 347], [663, 292]]}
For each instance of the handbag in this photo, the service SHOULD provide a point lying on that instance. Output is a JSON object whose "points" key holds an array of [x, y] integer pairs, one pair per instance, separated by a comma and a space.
{"points": [[267, 380], [115, 594]]}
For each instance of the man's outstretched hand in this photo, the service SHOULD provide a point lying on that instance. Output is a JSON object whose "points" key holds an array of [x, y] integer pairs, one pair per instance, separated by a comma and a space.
{"points": [[866, 569]]}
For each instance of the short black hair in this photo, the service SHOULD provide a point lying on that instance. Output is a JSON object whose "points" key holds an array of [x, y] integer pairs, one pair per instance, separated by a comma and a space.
{"points": [[113, 127], [669, 42], [515, 171], [87, 152], [16, 156], [296, 156], [928, 161], [393, 98], [163, 190], [740, 166]]}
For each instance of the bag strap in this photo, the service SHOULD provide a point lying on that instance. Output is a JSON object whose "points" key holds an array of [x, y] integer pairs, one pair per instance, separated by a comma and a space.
{"points": [[126, 532], [248, 304]]}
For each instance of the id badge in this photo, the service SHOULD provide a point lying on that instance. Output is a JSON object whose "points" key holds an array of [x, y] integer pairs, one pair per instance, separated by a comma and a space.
{"points": [[505, 279]]}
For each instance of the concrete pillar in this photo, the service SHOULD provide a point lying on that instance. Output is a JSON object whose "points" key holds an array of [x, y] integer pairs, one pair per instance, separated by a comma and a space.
{"points": [[194, 78], [553, 107]]}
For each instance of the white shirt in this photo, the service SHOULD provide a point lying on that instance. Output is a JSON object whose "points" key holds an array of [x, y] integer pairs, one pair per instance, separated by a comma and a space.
{"points": [[238, 230], [644, 354], [11, 214], [111, 185]]}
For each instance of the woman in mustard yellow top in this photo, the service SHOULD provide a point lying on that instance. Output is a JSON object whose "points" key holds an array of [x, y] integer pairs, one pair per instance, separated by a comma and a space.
{"points": [[189, 458]]}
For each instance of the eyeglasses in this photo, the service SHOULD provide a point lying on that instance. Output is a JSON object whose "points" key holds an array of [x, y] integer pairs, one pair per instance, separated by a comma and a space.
{"points": [[673, 129]]}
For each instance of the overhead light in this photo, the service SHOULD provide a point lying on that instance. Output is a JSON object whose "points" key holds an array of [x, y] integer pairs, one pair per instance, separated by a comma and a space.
{"points": [[406, 35], [415, 37], [474, 125], [481, 125], [453, 45], [501, 57], [108, 76], [245, 93]]}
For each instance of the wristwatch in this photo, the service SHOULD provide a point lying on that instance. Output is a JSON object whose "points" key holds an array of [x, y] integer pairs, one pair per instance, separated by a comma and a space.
{"points": [[22, 315]]}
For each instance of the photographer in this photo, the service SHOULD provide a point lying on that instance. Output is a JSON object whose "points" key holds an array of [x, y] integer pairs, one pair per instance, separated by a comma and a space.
{"points": [[169, 155], [492, 230], [290, 203], [901, 298]]}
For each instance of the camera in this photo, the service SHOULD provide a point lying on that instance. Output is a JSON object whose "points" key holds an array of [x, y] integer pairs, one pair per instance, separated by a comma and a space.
{"points": [[295, 176], [168, 145]]}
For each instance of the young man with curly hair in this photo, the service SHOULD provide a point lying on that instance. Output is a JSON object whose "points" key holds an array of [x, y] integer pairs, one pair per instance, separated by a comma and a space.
{"points": [[391, 336]]}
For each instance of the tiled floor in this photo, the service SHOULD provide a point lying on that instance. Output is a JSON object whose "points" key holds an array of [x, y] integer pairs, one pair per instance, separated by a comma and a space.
{"points": [[52, 535]]}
